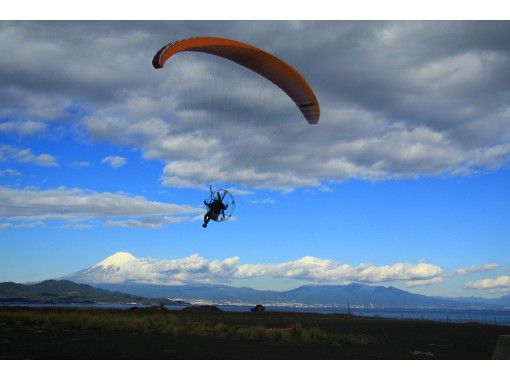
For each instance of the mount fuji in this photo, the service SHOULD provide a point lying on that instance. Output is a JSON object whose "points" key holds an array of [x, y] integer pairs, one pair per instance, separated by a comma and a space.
{"points": [[114, 269]]}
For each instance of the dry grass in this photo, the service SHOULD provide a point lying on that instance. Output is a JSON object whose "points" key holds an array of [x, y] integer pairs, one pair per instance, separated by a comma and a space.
{"points": [[169, 323]]}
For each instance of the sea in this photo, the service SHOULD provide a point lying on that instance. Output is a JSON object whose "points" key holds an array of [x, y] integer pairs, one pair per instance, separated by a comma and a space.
{"points": [[494, 317]]}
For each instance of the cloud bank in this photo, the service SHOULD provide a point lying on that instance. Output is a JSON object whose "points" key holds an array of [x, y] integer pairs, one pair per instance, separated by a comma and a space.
{"points": [[195, 268], [499, 283], [73, 205], [24, 155], [123, 266], [9, 173], [23, 128], [398, 99], [475, 269]]}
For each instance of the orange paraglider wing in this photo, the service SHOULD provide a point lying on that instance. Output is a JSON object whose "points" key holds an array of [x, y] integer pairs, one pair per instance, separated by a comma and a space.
{"points": [[274, 69]]}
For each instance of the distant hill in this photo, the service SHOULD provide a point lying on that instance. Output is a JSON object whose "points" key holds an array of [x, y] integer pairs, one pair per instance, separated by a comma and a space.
{"points": [[378, 296], [212, 293], [64, 291]]}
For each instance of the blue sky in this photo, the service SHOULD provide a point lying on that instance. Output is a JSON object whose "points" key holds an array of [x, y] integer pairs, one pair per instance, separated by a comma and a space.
{"points": [[403, 182]]}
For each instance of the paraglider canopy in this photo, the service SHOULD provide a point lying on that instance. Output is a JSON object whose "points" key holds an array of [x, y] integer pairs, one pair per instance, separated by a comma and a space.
{"points": [[272, 68]]}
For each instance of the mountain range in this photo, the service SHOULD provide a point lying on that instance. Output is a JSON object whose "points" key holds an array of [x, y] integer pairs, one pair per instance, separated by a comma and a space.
{"points": [[353, 295], [113, 274], [64, 291]]}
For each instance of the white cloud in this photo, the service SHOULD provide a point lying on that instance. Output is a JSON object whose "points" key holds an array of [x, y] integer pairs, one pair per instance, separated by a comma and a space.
{"points": [[154, 222], [28, 225], [78, 226], [323, 270], [430, 281], [9, 173], [265, 201], [62, 204], [195, 268], [502, 283], [114, 161], [24, 128], [25, 155], [80, 164], [457, 272], [475, 269], [20, 225], [240, 192]]}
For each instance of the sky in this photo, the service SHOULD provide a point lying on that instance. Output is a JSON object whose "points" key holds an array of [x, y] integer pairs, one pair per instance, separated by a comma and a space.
{"points": [[403, 182]]}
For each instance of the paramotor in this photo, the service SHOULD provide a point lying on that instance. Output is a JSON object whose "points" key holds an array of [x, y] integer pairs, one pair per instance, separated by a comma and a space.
{"points": [[226, 199]]}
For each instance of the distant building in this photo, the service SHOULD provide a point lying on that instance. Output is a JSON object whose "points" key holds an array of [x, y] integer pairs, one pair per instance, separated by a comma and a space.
{"points": [[258, 308]]}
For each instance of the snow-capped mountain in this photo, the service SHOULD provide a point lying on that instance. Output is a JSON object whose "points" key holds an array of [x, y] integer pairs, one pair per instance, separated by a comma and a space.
{"points": [[123, 267], [116, 260], [114, 269]]}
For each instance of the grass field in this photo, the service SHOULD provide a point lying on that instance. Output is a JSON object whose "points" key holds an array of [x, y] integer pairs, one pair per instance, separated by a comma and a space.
{"points": [[63, 333]]}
